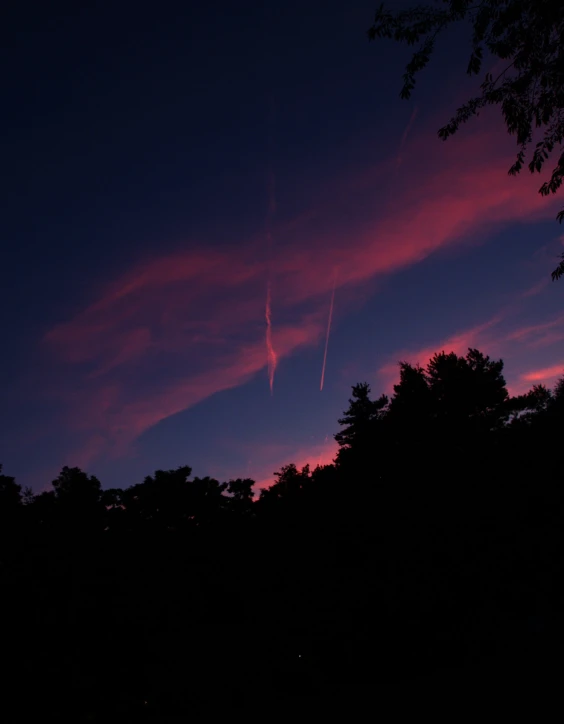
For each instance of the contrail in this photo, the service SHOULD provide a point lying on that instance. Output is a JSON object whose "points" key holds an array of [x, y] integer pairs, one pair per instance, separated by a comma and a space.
{"points": [[406, 134], [328, 332], [270, 353], [271, 193], [271, 357]]}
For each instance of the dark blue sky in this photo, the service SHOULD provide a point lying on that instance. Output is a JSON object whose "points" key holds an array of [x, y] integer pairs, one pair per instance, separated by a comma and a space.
{"points": [[142, 146]]}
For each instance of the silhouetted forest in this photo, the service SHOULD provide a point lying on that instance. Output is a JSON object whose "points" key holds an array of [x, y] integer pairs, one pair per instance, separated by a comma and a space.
{"points": [[432, 545]]}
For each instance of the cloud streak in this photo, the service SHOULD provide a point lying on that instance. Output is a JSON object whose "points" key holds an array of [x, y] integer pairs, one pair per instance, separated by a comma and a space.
{"points": [[542, 334], [545, 374]]}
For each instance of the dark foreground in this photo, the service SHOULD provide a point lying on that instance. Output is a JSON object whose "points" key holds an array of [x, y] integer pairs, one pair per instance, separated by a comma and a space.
{"points": [[157, 626], [424, 566]]}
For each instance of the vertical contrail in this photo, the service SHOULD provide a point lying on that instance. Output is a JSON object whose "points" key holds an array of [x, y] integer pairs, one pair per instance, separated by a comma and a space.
{"points": [[328, 332], [271, 358], [271, 194], [406, 134], [270, 353]]}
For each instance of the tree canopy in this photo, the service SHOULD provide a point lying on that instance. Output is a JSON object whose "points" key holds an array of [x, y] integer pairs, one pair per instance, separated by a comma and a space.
{"points": [[526, 36]]}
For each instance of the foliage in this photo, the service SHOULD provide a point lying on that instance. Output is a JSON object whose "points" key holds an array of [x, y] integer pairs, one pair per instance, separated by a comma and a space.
{"points": [[10, 492], [76, 487], [360, 419], [526, 36]]}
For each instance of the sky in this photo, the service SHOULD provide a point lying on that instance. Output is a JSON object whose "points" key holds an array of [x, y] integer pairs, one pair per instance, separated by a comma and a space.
{"points": [[190, 194]]}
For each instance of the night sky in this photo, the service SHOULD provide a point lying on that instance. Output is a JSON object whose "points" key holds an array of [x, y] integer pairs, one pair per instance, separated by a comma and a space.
{"points": [[176, 173]]}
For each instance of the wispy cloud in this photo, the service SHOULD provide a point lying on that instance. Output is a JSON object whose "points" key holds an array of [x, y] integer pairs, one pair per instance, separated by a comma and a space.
{"points": [[537, 288], [542, 334], [183, 326], [546, 374]]}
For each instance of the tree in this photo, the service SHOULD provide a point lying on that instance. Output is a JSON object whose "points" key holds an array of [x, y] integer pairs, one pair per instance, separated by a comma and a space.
{"points": [[241, 489], [10, 493], [289, 484], [168, 499], [28, 496], [359, 418], [527, 36], [76, 500], [361, 423], [241, 495], [76, 487], [467, 389], [408, 420], [558, 392], [206, 498], [161, 499], [554, 408], [10, 499], [525, 409], [411, 403]]}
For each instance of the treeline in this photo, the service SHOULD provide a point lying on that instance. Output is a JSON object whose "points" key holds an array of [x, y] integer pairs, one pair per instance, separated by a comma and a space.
{"points": [[433, 543]]}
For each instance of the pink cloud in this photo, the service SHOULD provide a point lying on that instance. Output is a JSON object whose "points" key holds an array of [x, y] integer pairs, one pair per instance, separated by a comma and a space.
{"points": [[536, 288], [544, 375], [542, 334], [180, 327]]}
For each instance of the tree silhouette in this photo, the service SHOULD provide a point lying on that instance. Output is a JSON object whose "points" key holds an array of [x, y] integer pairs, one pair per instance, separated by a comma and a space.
{"points": [[410, 408], [433, 540], [527, 407], [76, 502], [10, 504], [241, 489], [558, 394], [526, 35], [75, 487], [169, 500], [470, 389], [241, 495], [290, 484], [10, 493], [359, 423]]}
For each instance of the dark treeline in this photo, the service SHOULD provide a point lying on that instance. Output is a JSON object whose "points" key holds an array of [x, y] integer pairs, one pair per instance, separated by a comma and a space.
{"points": [[431, 547]]}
